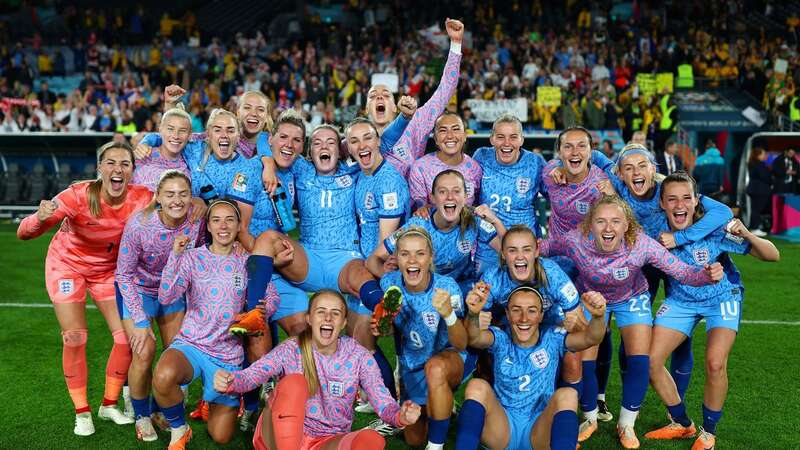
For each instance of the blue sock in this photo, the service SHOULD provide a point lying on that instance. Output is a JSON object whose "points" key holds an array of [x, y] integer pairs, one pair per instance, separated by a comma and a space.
{"points": [[273, 332], [141, 407], [370, 294], [678, 413], [564, 431], [710, 419], [589, 397], [437, 430], [154, 408], [470, 425], [386, 371], [681, 365], [578, 386], [250, 397], [259, 272], [635, 381], [623, 359], [175, 415], [604, 355]]}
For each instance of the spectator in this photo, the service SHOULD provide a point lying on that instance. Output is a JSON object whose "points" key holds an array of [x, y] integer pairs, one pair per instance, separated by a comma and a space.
{"points": [[759, 189], [608, 150], [46, 96], [709, 171], [668, 161], [784, 169]]}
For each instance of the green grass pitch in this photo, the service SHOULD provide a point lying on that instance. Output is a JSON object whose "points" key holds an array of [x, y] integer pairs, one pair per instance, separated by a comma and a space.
{"points": [[38, 413]]}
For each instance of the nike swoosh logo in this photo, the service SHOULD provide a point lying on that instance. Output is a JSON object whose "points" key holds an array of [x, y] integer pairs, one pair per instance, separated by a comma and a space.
{"points": [[281, 416], [118, 373], [508, 361]]}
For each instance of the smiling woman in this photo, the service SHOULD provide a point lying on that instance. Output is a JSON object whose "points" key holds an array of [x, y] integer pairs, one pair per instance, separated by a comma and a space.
{"points": [[609, 250], [82, 256], [213, 278], [312, 405]]}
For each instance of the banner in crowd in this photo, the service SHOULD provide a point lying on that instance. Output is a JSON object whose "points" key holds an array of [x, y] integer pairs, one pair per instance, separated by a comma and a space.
{"points": [[646, 83], [665, 82], [390, 80], [7, 102], [490, 110], [654, 84], [548, 96]]}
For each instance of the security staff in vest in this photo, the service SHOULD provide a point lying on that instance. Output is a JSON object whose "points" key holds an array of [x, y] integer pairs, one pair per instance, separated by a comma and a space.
{"points": [[668, 122]]}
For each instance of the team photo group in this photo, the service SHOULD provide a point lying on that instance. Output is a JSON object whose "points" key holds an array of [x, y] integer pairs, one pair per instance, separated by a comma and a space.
{"points": [[265, 258]]}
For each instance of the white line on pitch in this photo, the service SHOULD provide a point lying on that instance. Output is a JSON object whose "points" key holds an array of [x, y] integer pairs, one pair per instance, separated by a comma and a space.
{"points": [[50, 305], [34, 305]]}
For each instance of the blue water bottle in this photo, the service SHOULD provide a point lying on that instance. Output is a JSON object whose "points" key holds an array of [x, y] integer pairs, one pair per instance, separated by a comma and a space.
{"points": [[283, 209]]}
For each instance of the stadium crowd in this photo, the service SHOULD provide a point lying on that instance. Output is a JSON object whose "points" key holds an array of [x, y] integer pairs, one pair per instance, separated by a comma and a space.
{"points": [[591, 52], [190, 230]]}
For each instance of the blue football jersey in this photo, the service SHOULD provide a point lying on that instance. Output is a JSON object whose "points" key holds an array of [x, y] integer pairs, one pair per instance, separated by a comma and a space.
{"points": [[421, 329], [558, 290], [453, 251], [707, 251], [263, 211], [525, 378], [229, 178], [326, 207], [382, 195], [510, 190]]}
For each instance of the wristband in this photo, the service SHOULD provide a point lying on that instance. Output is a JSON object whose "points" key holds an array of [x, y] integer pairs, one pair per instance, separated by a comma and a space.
{"points": [[455, 47], [451, 319]]}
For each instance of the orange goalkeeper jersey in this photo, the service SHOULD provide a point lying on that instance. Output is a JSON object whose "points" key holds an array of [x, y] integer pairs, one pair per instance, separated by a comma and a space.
{"points": [[85, 243]]}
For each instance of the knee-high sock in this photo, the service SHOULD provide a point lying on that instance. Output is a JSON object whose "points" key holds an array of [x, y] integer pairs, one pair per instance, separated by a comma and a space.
{"points": [[259, 272], [117, 367], [564, 431], [73, 359], [362, 439], [142, 407], [250, 397], [470, 425], [386, 371], [604, 356], [578, 385], [681, 366], [437, 430], [289, 411], [175, 414], [589, 398], [623, 359], [710, 419], [634, 386], [370, 294], [273, 331]]}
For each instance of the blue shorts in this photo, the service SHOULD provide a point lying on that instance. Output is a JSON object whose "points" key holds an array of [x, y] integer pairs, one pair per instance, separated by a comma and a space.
{"points": [[152, 307], [324, 267], [683, 317], [355, 305], [415, 385], [293, 299], [205, 366], [634, 311], [519, 430]]}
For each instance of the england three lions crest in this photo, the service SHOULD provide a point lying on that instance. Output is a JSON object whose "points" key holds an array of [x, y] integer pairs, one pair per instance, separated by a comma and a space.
{"points": [[431, 320], [701, 256], [582, 207], [620, 273], [523, 185], [540, 358]]}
